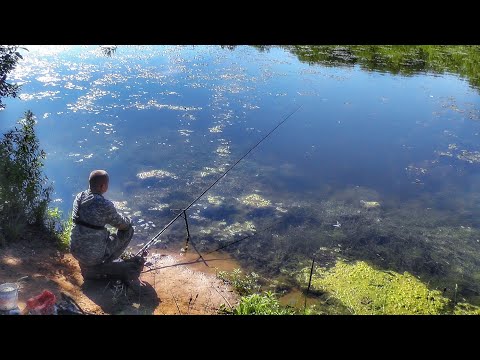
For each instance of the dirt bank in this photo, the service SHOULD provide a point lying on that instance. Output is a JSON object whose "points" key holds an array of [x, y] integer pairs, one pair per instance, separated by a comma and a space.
{"points": [[174, 283]]}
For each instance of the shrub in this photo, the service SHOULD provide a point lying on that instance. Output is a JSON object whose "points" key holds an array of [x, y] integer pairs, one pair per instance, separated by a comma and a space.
{"points": [[24, 191]]}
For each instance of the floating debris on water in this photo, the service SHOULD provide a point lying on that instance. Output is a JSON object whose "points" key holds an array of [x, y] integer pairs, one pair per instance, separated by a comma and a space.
{"points": [[216, 129], [39, 95], [159, 174], [416, 170], [210, 171], [185, 132], [255, 200], [159, 207], [121, 205], [215, 200], [279, 207], [444, 153], [469, 156], [369, 204], [240, 228], [220, 231], [223, 150]]}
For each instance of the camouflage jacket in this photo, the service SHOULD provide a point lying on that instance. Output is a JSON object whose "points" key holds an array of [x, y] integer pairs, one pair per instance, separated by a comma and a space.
{"points": [[88, 245]]}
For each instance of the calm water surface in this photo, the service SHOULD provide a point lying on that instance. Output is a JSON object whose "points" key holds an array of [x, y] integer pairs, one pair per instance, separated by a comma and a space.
{"points": [[165, 120]]}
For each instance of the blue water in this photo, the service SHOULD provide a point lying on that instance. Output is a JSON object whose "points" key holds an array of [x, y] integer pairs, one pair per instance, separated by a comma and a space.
{"points": [[156, 108]]}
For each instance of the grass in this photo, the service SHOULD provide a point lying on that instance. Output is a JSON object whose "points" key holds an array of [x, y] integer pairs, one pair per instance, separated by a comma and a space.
{"points": [[60, 229], [252, 302], [265, 303]]}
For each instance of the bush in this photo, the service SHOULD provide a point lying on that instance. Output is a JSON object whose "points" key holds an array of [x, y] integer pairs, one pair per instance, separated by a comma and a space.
{"points": [[24, 191]]}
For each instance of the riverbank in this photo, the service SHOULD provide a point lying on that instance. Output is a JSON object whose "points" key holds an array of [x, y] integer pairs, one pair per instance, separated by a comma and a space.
{"points": [[172, 287]]}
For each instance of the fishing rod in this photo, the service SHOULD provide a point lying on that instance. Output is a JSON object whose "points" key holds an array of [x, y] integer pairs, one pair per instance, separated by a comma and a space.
{"points": [[181, 213]]}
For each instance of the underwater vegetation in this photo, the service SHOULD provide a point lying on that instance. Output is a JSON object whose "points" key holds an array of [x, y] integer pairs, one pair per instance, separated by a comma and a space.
{"points": [[255, 200], [160, 174], [369, 204]]}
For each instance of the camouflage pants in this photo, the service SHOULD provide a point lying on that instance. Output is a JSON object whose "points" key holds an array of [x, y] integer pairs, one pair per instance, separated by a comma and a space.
{"points": [[125, 270], [117, 244]]}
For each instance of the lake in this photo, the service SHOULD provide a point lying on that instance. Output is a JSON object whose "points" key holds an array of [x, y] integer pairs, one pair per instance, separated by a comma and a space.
{"points": [[385, 146]]}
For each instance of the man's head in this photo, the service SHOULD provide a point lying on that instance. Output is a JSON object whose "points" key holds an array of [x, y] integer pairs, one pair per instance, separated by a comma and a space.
{"points": [[98, 181]]}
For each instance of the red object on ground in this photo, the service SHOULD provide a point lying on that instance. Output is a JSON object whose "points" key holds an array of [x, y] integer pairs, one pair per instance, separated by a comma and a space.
{"points": [[43, 304]]}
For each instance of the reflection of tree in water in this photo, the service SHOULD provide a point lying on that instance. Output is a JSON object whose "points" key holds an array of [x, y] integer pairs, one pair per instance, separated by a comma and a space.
{"points": [[261, 48], [229, 47], [397, 59], [463, 60], [108, 50]]}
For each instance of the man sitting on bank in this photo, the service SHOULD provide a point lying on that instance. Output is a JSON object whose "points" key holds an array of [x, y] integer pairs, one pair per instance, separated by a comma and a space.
{"points": [[91, 243]]}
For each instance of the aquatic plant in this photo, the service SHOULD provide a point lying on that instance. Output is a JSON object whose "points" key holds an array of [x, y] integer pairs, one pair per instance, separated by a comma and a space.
{"points": [[121, 205], [370, 204], [215, 200], [469, 156], [216, 129], [466, 309], [159, 174], [366, 290], [261, 304], [211, 171], [243, 284], [255, 200], [239, 228]]}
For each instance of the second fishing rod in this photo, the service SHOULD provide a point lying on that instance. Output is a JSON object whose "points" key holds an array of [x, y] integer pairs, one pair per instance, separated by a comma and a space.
{"points": [[183, 212]]}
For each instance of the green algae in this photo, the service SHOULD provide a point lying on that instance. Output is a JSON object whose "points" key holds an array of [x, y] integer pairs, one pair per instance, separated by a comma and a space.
{"points": [[366, 290]]}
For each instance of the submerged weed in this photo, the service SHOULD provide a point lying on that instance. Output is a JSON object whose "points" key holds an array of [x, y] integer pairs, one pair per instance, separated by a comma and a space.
{"points": [[243, 284]]}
